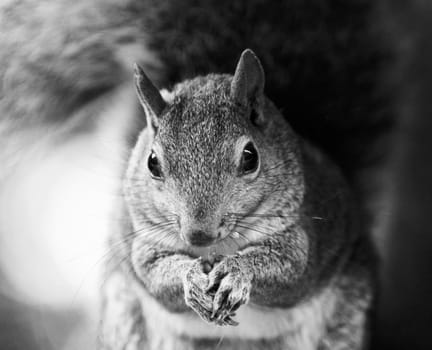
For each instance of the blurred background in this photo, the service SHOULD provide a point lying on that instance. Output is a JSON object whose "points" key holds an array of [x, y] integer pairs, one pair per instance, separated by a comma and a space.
{"points": [[56, 211], [354, 76]]}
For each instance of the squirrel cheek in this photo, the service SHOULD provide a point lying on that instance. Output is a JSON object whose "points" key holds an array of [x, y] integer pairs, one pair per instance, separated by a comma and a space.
{"points": [[159, 187]]}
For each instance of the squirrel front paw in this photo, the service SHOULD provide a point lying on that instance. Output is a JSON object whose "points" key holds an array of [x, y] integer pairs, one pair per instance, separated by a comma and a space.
{"points": [[230, 285], [195, 283]]}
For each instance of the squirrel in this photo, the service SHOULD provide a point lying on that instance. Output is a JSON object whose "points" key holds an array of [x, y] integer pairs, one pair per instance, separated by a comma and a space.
{"points": [[323, 60], [235, 220]]}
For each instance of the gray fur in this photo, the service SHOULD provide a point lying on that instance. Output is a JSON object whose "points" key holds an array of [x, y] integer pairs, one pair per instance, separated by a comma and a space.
{"points": [[248, 79], [309, 240], [149, 96], [298, 222]]}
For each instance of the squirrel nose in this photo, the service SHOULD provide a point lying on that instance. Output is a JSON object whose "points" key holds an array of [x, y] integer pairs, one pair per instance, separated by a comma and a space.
{"points": [[200, 238]]}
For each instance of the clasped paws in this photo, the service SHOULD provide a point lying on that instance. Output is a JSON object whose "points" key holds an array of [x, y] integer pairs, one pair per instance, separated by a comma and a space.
{"points": [[216, 296]]}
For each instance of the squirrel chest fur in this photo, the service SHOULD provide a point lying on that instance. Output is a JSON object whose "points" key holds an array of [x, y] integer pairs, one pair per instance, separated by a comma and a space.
{"points": [[238, 234]]}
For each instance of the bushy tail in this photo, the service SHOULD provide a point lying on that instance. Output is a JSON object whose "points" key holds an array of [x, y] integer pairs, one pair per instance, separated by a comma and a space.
{"points": [[56, 56]]}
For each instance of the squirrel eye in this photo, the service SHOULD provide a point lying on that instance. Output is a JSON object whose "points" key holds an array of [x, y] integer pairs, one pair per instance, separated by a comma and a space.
{"points": [[249, 162], [154, 166]]}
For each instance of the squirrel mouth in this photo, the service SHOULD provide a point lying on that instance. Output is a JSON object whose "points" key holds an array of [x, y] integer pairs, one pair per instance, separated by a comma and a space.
{"points": [[200, 239], [225, 242]]}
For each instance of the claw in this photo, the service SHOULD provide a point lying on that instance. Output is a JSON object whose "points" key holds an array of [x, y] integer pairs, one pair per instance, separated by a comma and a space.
{"points": [[214, 279], [229, 321]]}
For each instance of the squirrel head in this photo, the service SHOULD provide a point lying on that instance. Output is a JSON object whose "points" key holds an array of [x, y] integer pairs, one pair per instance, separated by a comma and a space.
{"points": [[215, 159]]}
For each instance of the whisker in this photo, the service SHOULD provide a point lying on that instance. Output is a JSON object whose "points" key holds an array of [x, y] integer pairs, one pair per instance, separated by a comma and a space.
{"points": [[236, 222], [159, 230], [150, 231], [121, 261], [162, 237], [247, 239], [94, 265], [242, 215], [235, 216], [161, 234], [156, 237], [255, 229], [235, 241]]}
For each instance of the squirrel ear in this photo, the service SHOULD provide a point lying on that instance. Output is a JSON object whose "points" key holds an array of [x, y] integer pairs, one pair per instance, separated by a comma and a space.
{"points": [[248, 81], [149, 96]]}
